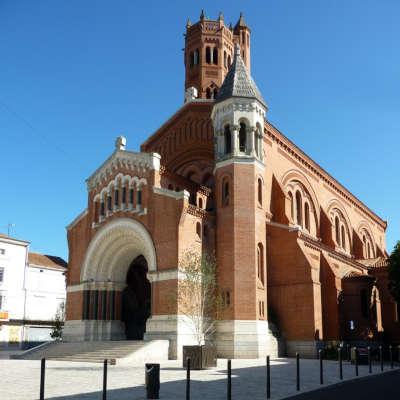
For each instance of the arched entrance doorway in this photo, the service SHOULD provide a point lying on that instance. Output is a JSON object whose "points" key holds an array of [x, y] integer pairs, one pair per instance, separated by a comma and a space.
{"points": [[136, 299]]}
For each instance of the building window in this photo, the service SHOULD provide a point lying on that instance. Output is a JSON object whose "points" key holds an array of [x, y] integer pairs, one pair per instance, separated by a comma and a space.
{"points": [[200, 202], [225, 192], [307, 216], [343, 238], [242, 137], [116, 197], [228, 140], [229, 61], [139, 197], [2, 252], [215, 93], [196, 57], [102, 209], [259, 186], [260, 262], [225, 60], [208, 93], [191, 59], [131, 196], [337, 230], [215, 56], [364, 303], [299, 208], [198, 229], [124, 195], [109, 205], [208, 55]]}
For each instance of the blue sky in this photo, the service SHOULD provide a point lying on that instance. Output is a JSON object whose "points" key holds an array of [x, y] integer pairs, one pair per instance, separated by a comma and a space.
{"points": [[76, 74]]}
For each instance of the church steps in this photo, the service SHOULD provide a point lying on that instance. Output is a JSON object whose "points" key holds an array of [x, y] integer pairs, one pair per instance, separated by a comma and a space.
{"points": [[97, 351]]}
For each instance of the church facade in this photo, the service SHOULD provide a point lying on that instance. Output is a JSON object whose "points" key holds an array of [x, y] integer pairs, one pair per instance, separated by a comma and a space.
{"points": [[301, 261]]}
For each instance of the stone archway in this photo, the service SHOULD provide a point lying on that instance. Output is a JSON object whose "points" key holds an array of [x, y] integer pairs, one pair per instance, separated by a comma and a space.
{"points": [[121, 246]]}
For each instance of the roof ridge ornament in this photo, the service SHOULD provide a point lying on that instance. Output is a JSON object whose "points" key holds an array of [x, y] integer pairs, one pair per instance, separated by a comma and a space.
{"points": [[120, 143]]}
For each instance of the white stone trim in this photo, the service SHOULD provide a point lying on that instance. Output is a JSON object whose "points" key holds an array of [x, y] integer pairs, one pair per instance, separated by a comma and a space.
{"points": [[239, 160], [183, 194], [157, 276]]}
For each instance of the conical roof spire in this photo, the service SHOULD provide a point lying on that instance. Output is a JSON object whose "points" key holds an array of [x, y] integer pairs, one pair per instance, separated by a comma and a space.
{"points": [[241, 21], [239, 83]]}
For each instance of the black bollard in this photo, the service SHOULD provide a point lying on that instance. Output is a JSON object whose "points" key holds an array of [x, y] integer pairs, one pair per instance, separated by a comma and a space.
{"points": [[391, 356], [297, 372], [42, 375], [381, 357], [369, 360], [268, 379], [188, 378], [340, 363], [321, 370], [152, 381], [229, 387], [356, 359], [105, 380]]}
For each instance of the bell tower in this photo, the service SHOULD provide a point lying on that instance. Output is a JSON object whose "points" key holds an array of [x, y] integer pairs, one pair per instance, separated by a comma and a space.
{"points": [[209, 51], [238, 117]]}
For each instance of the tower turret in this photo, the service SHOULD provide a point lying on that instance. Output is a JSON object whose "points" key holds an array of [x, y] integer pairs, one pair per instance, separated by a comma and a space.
{"points": [[209, 50]]}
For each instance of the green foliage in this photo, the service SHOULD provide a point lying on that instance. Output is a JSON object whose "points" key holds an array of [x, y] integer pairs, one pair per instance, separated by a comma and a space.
{"points": [[56, 332], [394, 272]]}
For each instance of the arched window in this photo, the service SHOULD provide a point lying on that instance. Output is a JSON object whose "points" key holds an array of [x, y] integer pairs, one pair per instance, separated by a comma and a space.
{"points": [[243, 37], [228, 140], [260, 262], [200, 202], [196, 57], [170, 187], [259, 190], [198, 229], [208, 93], [343, 237], [116, 197], [191, 59], [102, 209], [225, 192], [291, 205], [242, 137], [215, 93], [215, 56], [124, 195], [208, 55], [368, 250], [229, 61], [225, 60], [307, 216], [139, 197], [337, 232], [298, 208], [131, 196], [109, 203]]}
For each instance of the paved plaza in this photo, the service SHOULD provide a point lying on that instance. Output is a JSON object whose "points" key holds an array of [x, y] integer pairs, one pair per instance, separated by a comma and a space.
{"points": [[73, 381]]}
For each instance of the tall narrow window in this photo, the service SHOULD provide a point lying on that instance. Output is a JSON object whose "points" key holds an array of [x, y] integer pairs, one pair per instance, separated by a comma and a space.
{"points": [[299, 208], [307, 216], [215, 56], [243, 38], [131, 196], [124, 195], [102, 209], [139, 197], [228, 139], [343, 237], [337, 232], [260, 262], [208, 55], [116, 197], [191, 59], [242, 137], [229, 61], [215, 93], [368, 251], [196, 57], [225, 60], [291, 205], [225, 192], [109, 203], [208, 93], [259, 190]]}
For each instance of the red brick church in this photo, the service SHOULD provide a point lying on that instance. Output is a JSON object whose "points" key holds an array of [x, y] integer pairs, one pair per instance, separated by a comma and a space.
{"points": [[301, 260]]}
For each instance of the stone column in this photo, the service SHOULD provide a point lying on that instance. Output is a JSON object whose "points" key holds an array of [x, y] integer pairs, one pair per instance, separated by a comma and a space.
{"points": [[250, 141], [235, 140]]}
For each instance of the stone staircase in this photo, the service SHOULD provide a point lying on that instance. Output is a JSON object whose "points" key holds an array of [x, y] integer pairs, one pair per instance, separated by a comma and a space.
{"points": [[123, 351]]}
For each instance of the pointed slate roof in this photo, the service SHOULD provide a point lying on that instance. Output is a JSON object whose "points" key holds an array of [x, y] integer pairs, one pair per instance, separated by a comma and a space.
{"points": [[239, 83]]}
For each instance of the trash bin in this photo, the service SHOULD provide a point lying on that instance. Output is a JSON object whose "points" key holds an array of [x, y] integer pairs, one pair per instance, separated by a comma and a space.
{"points": [[152, 381]]}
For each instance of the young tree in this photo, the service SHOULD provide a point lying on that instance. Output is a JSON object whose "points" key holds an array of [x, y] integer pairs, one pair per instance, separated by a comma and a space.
{"points": [[394, 272], [198, 297], [56, 332]]}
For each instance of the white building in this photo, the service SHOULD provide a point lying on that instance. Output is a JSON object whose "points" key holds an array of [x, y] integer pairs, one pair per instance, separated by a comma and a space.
{"points": [[32, 289]]}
